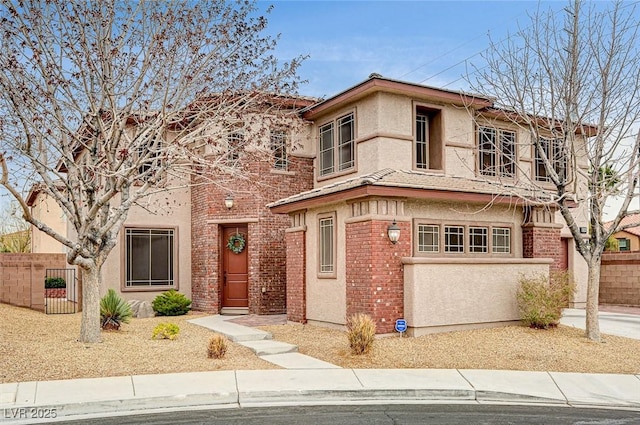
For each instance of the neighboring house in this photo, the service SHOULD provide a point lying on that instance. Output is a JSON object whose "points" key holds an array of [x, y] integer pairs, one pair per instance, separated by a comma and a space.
{"points": [[629, 238], [19, 241], [379, 157]]}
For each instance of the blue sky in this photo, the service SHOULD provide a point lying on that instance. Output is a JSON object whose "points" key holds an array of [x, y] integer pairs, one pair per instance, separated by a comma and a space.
{"points": [[419, 41]]}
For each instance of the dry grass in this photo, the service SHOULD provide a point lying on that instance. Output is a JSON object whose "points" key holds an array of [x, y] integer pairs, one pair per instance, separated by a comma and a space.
{"points": [[561, 349], [34, 346]]}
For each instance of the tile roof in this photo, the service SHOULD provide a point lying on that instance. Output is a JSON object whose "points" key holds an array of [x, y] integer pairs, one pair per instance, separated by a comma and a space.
{"points": [[422, 180], [632, 218]]}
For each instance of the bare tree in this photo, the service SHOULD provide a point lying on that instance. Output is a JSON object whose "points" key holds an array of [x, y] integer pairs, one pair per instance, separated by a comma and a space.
{"points": [[104, 103], [571, 81], [15, 234]]}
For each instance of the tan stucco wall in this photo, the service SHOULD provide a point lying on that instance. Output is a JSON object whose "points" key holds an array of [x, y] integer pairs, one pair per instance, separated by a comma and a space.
{"points": [[634, 240], [177, 213], [326, 298], [47, 210], [449, 293]]}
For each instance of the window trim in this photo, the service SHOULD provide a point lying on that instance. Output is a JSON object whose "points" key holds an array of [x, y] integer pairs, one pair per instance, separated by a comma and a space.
{"points": [[334, 235], [466, 225], [336, 147], [123, 260], [628, 244], [435, 143], [497, 151], [282, 140]]}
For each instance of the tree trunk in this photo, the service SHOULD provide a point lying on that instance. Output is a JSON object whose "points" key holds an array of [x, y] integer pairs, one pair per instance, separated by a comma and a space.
{"points": [[593, 289], [90, 326]]}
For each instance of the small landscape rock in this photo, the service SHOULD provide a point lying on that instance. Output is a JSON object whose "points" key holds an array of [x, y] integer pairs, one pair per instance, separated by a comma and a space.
{"points": [[141, 309]]}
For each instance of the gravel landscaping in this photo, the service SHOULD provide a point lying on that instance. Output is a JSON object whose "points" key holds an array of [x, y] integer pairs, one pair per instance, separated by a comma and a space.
{"points": [[35, 346]]}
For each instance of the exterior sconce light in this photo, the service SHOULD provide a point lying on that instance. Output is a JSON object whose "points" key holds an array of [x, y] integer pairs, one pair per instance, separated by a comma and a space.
{"points": [[393, 231], [228, 201], [583, 230]]}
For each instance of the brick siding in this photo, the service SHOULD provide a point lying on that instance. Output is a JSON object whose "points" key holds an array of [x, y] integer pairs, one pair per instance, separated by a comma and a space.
{"points": [[296, 282], [620, 279], [542, 242], [266, 238], [374, 272], [22, 278]]}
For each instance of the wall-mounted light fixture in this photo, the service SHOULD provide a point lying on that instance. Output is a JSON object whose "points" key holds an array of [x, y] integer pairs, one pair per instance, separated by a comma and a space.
{"points": [[393, 231], [583, 230], [228, 201]]}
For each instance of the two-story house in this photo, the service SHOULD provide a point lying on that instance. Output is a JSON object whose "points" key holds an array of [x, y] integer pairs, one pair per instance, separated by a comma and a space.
{"points": [[444, 170], [399, 200]]}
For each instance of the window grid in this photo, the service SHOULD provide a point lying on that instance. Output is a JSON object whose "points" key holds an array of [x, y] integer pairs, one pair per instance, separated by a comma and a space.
{"points": [[337, 145], [235, 141], [478, 240], [326, 245], [501, 240], [422, 132], [149, 257], [428, 238], [496, 152], [553, 150], [454, 239], [279, 148]]}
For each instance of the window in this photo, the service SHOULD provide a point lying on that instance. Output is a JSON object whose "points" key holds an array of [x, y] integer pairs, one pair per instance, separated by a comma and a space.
{"points": [[553, 150], [460, 239], [454, 239], [478, 239], [149, 257], [279, 148], [148, 158], [337, 145], [235, 143], [427, 150], [428, 238], [501, 240], [624, 244], [327, 244], [496, 152]]}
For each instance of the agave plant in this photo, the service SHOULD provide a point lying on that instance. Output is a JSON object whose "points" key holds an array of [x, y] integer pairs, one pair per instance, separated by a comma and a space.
{"points": [[114, 311]]}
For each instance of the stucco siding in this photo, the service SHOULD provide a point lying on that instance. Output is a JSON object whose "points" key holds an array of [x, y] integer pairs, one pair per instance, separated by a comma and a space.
{"points": [[456, 292]]}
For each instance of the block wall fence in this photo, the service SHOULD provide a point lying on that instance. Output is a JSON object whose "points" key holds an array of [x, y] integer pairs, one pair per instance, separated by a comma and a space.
{"points": [[620, 279]]}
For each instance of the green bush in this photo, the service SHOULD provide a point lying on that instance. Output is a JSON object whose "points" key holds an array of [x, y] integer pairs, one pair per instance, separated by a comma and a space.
{"points": [[171, 303], [114, 311], [541, 299], [361, 331], [54, 282], [165, 331]]}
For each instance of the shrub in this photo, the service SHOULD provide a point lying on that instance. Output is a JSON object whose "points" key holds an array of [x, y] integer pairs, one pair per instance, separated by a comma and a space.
{"points": [[361, 331], [165, 331], [541, 299], [171, 303], [54, 282], [217, 347], [114, 311]]}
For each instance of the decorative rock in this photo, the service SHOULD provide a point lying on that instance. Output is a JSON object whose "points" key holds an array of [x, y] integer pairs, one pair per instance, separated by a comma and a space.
{"points": [[141, 309]]}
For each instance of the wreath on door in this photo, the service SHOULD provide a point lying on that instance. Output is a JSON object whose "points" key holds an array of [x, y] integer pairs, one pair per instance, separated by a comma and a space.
{"points": [[236, 243]]}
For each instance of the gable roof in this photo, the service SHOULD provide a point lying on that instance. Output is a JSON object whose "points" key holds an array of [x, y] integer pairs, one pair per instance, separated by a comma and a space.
{"points": [[633, 218], [412, 184]]}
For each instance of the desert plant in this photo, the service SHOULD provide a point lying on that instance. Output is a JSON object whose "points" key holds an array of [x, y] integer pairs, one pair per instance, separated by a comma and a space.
{"points": [[165, 331], [541, 299], [217, 347], [361, 331], [54, 282], [171, 303], [114, 311]]}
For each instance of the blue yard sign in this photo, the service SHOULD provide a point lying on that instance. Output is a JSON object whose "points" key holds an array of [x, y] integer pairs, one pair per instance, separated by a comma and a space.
{"points": [[401, 325]]}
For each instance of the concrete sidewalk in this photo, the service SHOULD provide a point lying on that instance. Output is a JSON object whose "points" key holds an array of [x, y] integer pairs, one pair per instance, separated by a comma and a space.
{"points": [[24, 402], [620, 324]]}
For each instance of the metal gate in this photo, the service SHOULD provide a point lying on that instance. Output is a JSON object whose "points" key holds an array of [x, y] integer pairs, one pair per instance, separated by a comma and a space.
{"points": [[60, 291]]}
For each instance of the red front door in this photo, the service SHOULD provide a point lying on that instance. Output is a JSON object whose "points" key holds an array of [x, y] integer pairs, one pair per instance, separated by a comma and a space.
{"points": [[235, 284]]}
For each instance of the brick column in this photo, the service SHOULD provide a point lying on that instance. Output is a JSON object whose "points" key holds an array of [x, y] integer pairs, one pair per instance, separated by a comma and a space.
{"points": [[374, 272], [542, 241], [296, 269]]}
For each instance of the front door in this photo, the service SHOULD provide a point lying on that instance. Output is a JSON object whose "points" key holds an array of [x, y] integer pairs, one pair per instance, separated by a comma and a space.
{"points": [[235, 284]]}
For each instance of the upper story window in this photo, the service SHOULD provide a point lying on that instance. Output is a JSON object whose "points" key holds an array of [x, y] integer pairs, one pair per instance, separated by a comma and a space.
{"points": [[496, 152], [553, 150], [427, 149], [279, 139], [235, 143], [337, 145]]}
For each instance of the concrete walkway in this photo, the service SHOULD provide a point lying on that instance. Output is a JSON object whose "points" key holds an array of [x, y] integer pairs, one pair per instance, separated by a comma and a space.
{"points": [[620, 324], [280, 353]]}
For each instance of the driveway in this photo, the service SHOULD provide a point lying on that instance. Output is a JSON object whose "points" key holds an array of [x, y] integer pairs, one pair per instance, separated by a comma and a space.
{"points": [[620, 324]]}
